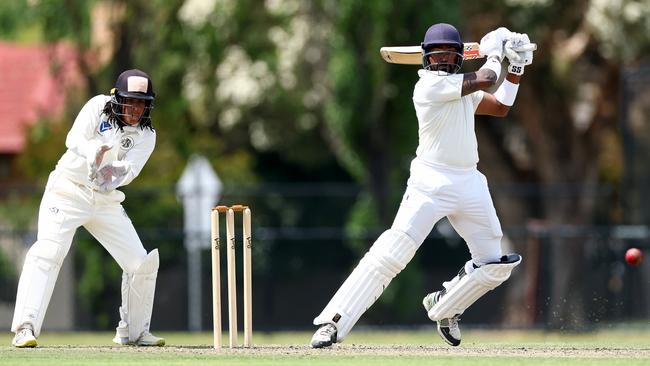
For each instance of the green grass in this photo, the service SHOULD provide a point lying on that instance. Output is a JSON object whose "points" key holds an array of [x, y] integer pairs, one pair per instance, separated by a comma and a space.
{"points": [[611, 347]]}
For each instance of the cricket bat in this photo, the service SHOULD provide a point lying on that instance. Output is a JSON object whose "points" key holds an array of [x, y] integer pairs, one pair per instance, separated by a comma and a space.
{"points": [[412, 55]]}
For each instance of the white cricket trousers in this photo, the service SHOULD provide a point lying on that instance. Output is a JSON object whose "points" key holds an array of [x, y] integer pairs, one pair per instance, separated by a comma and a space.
{"points": [[65, 206], [432, 193], [462, 195]]}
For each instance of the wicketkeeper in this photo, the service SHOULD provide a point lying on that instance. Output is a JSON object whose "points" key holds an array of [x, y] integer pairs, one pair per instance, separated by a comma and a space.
{"points": [[444, 181], [109, 143]]}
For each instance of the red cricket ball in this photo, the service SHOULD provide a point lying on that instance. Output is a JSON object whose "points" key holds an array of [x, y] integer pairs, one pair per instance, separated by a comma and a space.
{"points": [[633, 256]]}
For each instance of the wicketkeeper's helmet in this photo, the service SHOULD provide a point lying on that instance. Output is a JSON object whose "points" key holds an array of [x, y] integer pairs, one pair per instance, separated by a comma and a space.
{"points": [[134, 84]]}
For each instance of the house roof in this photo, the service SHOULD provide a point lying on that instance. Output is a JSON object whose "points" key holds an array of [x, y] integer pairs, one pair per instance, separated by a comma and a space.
{"points": [[33, 81]]}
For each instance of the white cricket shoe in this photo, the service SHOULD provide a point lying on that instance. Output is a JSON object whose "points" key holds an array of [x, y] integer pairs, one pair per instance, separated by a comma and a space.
{"points": [[324, 336], [24, 338], [148, 339], [145, 340], [122, 335], [430, 300], [448, 329]]}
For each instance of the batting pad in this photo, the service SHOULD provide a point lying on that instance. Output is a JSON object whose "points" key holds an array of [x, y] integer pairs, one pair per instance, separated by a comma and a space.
{"points": [[388, 256], [42, 264], [472, 286], [137, 296]]}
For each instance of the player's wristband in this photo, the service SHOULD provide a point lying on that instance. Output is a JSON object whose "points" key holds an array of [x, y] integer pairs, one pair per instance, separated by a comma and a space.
{"points": [[493, 64], [507, 93]]}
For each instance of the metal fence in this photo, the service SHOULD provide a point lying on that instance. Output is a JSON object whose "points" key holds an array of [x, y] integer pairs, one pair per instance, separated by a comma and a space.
{"points": [[302, 252]]}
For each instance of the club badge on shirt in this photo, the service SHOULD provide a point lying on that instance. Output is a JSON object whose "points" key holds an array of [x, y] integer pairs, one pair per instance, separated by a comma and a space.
{"points": [[126, 143], [104, 126]]}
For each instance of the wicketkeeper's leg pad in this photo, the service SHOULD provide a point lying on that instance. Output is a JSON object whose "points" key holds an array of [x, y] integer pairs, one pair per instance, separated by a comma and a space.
{"points": [[42, 264], [138, 290], [469, 287], [388, 256]]}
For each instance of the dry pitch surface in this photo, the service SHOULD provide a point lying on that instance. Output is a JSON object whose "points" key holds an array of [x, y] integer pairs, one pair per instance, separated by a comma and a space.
{"points": [[371, 350], [362, 348]]}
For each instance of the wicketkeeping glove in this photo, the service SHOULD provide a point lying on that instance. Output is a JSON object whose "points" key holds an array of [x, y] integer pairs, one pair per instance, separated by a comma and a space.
{"points": [[95, 158], [111, 176]]}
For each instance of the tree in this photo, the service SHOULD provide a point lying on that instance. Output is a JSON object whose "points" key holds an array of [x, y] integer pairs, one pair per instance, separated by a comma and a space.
{"points": [[563, 134], [295, 91]]}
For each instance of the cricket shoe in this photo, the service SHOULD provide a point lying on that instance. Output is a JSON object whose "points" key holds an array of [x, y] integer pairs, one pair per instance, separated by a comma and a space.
{"points": [[430, 300], [24, 338], [448, 329], [324, 336], [146, 339]]}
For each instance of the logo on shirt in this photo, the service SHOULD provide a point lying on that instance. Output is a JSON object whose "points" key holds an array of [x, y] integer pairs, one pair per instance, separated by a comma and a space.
{"points": [[104, 126], [126, 143]]}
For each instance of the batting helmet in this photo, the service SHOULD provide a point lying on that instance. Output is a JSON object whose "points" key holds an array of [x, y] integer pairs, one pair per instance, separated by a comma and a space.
{"points": [[437, 35]]}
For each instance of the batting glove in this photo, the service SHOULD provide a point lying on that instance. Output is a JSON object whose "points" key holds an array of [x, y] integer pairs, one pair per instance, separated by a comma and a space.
{"points": [[516, 68], [492, 43], [518, 40], [519, 52]]}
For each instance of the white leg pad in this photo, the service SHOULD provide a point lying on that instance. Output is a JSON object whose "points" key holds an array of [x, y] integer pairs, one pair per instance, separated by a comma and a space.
{"points": [[464, 290], [467, 269], [388, 256], [138, 290], [42, 264]]}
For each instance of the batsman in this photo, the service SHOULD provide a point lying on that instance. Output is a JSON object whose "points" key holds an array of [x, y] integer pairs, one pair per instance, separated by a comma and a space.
{"points": [[444, 182], [109, 142]]}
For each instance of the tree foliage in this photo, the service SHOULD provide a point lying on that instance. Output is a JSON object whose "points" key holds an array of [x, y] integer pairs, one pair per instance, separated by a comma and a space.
{"points": [[289, 90]]}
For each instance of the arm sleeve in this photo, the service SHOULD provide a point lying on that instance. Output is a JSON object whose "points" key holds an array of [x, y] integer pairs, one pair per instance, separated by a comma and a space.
{"points": [[80, 139], [136, 158], [433, 88]]}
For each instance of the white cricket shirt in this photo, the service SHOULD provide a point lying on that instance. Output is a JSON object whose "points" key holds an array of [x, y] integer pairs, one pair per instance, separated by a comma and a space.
{"points": [[446, 120], [90, 130]]}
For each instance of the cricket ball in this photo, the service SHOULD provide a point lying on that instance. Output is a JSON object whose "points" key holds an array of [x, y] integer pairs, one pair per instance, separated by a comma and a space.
{"points": [[633, 256]]}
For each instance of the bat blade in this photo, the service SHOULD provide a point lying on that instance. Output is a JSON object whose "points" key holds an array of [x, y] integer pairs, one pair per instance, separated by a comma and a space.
{"points": [[405, 55], [412, 55]]}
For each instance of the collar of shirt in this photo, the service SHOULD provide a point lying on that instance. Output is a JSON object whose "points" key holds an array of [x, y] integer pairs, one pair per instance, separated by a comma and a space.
{"points": [[431, 73]]}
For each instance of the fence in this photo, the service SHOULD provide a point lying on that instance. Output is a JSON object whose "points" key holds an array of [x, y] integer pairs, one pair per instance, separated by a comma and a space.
{"points": [[303, 251]]}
